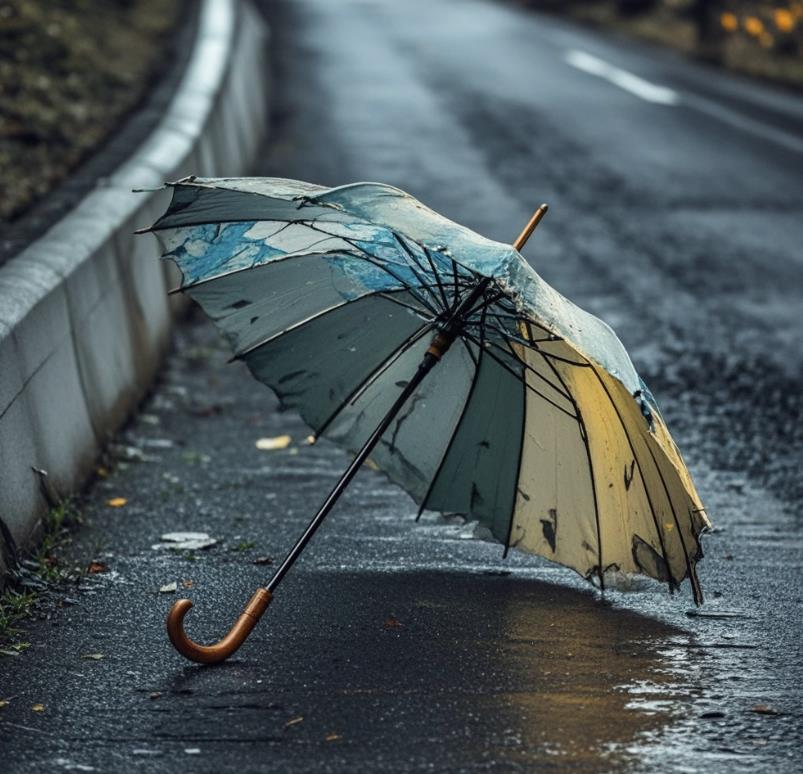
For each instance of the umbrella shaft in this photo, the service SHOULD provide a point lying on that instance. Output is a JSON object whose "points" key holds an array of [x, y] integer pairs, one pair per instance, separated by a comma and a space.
{"points": [[424, 368]]}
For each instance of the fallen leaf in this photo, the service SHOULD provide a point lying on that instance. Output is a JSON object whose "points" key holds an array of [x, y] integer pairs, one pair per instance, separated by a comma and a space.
{"points": [[272, 444], [311, 440], [38, 707], [95, 567], [332, 737], [116, 502], [371, 465], [393, 623], [154, 695], [92, 656], [102, 471], [187, 584], [263, 560], [168, 588], [3, 703], [294, 721], [184, 541], [765, 709]]}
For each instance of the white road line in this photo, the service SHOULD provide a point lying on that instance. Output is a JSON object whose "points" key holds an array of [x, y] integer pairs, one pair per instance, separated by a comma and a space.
{"points": [[759, 128], [663, 95], [660, 95]]}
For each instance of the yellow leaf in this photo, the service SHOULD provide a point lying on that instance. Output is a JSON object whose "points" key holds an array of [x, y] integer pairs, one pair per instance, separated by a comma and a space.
{"points": [[116, 502], [93, 656], [294, 721], [38, 707], [271, 444], [332, 737], [3, 703]]}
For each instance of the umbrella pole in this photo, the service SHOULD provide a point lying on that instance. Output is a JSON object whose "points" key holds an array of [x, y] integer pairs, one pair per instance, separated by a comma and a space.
{"points": [[220, 651], [441, 341]]}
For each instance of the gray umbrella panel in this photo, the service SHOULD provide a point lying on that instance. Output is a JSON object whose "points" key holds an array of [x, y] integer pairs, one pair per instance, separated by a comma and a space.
{"points": [[522, 428]]}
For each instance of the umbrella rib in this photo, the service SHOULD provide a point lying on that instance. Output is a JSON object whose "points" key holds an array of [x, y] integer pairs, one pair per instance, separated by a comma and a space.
{"points": [[693, 579], [418, 310], [517, 376], [518, 339], [365, 255], [312, 318], [456, 297], [463, 413], [589, 461], [421, 282], [446, 304], [518, 472], [409, 253], [373, 376], [528, 367], [672, 583]]}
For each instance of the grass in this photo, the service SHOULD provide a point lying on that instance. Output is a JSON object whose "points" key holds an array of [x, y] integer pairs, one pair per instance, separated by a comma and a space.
{"points": [[19, 602], [70, 70]]}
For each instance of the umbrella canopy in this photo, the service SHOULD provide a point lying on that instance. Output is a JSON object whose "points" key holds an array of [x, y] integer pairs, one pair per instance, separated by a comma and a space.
{"points": [[536, 423]]}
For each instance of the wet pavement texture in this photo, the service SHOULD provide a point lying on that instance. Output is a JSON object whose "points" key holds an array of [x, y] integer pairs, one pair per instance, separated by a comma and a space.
{"points": [[393, 646]]}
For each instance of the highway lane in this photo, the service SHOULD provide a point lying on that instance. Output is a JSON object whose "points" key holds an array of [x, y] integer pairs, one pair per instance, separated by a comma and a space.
{"points": [[676, 197]]}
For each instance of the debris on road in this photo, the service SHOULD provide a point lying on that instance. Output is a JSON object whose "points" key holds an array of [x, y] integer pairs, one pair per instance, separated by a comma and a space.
{"points": [[274, 444], [185, 541]]}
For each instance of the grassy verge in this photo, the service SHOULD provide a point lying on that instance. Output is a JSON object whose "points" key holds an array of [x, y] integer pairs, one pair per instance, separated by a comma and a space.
{"points": [[70, 70], [27, 594]]}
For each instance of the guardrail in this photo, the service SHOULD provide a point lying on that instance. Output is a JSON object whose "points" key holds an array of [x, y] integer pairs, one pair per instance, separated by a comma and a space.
{"points": [[84, 315]]}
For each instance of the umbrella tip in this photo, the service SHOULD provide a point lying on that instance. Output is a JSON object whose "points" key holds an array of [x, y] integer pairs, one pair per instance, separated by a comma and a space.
{"points": [[522, 238]]}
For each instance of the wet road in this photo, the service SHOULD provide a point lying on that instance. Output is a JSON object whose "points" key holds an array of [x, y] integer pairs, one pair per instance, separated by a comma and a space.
{"points": [[676, 197]]}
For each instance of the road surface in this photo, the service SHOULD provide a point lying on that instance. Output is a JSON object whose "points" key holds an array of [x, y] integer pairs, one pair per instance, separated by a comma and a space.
{"points": [[676, 196]]}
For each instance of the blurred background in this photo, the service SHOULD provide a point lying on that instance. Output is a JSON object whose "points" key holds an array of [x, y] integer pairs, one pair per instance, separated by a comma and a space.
{"points": [[760, 38]]}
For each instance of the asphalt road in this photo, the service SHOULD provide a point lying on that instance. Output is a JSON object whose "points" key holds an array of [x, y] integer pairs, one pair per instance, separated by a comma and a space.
{"points": [[676, 197]]}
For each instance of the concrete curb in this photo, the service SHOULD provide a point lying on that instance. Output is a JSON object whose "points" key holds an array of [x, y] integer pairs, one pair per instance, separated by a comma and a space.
{"points": [[84, 315]]}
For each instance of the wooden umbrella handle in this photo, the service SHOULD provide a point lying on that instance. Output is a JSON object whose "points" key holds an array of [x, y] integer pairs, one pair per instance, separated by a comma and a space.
{"points": [[221, 650]]}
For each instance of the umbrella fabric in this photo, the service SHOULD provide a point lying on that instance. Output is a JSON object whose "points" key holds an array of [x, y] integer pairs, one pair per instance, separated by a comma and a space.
{"points": [[535, 424]]}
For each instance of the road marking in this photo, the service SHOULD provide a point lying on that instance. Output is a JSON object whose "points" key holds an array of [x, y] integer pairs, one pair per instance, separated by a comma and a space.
{"points": [[745, 123], [650, 92], [663, 95]]}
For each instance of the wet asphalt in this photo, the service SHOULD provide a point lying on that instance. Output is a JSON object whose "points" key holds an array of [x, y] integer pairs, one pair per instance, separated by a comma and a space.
{"points": [[398, 647]]}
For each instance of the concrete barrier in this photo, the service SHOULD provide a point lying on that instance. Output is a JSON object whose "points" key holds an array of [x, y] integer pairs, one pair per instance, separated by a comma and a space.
{"points": [[84, 315]]}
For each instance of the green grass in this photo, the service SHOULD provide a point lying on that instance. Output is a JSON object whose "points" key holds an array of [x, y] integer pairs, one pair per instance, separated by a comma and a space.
{"points": [[19, 604]]}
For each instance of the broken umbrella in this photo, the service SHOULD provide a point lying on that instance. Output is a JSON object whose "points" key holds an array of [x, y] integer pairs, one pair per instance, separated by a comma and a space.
{"points": [[443, 355]]}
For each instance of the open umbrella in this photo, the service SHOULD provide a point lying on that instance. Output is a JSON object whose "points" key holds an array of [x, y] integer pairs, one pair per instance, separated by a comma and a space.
{"points": [[535, 423]]}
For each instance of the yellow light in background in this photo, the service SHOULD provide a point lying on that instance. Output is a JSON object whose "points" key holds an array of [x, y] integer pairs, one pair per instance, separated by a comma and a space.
{"points": [[784, 19], [753, 26], [729, 21]]}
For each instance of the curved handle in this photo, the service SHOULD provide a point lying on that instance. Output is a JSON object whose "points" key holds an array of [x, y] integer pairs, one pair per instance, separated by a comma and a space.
{"points": [[221, 650]]}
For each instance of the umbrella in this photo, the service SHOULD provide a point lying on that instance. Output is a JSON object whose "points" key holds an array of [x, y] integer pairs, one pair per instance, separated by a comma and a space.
{"points": [[443, 355]]}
